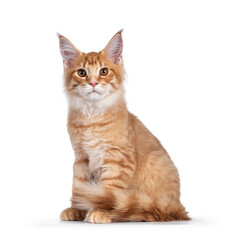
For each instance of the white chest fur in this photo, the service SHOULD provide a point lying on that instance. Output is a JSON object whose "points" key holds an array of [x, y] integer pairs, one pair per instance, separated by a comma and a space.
{"points": [[93, 148]]}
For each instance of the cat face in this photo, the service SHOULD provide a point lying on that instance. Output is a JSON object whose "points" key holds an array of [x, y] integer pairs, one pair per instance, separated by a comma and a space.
{"points": [[93, 76]]}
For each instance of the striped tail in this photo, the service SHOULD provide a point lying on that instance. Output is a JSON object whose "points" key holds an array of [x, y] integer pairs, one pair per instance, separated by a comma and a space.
{"points": [[126, 205]]}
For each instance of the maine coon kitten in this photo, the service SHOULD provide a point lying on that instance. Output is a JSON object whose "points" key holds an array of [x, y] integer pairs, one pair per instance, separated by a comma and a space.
{"points": [[121, 171]]}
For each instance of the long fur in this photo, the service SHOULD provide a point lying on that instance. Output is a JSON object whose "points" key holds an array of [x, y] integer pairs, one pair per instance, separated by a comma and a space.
{"points": [[121, 171], [125, 204]]}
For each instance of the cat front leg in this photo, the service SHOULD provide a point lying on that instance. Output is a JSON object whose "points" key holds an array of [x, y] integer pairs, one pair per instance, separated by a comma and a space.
{"points": [[80, 175], [116, 174], [81, 172]]}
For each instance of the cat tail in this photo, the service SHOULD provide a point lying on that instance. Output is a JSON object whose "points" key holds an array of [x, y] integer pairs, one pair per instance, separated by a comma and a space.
{"points": [[139, 207], [92, 196], [126, 205]]}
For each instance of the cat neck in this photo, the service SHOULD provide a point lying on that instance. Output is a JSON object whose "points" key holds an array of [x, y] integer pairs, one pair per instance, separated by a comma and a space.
{"points": [[97, 108]]}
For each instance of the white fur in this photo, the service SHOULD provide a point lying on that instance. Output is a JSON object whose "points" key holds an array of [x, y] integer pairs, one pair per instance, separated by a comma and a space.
{"points": [[93, 107], [93, 147]]}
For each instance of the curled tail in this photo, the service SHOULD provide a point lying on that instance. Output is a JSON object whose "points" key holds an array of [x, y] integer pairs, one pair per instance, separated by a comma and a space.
{"points": [[126, 205]]}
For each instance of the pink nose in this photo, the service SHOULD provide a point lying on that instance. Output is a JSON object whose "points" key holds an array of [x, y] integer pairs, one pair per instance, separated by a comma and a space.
{"points": [[93, 84]]}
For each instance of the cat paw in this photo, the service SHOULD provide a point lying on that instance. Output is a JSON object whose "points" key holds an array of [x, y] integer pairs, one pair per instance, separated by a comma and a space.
{"points": [[96, 216], [71, 214]]}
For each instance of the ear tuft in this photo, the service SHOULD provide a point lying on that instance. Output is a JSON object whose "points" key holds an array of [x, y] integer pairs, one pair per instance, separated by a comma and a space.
{"points": [[114, 48], [68, 51]]}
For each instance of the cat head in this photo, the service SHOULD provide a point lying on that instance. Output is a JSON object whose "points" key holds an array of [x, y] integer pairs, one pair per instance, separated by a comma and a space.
{"points": [[92, 77]]}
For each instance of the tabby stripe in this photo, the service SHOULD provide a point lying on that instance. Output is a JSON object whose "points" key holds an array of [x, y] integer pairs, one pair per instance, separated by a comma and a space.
{"points": [[96, 125], [80, 179], [118, 178], [116, 186], [120, 151], [118, 163], [125, 173], [81, 161]]}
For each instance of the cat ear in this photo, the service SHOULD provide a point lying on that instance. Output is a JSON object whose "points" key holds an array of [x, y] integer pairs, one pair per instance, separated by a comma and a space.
{"points": [[113, 50], [68, 51]]}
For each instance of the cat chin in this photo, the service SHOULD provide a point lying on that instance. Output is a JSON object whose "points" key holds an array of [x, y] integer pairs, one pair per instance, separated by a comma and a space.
{"points": [[95, 104], [94, 96]]}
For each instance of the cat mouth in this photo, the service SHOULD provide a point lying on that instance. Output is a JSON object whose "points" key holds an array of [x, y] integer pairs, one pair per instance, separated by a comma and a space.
{"points": [[94, 91]]}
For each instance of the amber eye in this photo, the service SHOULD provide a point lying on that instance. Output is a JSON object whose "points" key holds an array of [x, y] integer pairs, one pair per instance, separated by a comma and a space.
{"points": [[82, 73], [104, 71]]}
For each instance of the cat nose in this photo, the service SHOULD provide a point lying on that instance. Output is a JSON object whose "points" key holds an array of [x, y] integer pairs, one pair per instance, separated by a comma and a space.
{"points": [[93, 83]]}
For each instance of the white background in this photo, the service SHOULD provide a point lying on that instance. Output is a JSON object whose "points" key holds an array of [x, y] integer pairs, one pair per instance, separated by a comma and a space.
{"points": [[182, 60]]}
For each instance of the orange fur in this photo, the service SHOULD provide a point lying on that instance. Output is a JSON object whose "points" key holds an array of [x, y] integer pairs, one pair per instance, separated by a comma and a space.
{"points": [[121, 170]]}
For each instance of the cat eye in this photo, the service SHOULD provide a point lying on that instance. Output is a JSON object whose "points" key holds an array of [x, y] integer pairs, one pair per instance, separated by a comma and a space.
{"points": [[103, 71], [82, 73]]}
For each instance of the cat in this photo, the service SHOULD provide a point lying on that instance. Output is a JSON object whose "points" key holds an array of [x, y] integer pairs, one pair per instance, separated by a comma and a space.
{"points": [[121, 171]]}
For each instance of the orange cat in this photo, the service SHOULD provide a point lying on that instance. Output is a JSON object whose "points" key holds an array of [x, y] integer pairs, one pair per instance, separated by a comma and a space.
{"points": [[121, 171]]}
